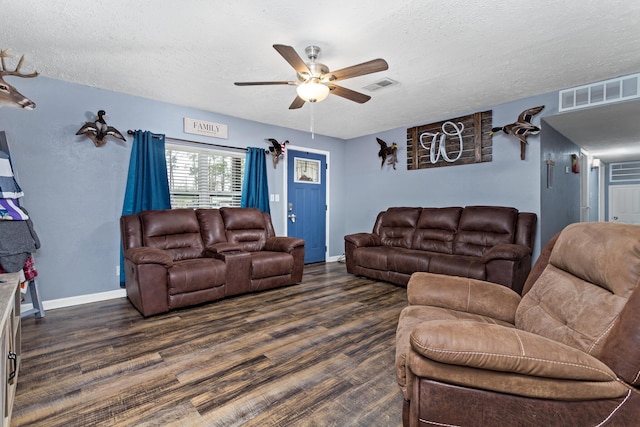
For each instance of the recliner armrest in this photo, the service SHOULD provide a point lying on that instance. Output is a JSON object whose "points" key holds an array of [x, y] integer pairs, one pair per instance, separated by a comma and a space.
{"points": [[145, 255], [463, 294], [283, 244], [500, 348], [508, 251], [219, 248], [363, 239]]}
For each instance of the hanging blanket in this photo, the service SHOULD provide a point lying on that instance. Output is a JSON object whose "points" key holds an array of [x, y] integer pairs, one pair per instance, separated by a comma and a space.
{"points": [[19, 240], [9, 188], [10, 210]]}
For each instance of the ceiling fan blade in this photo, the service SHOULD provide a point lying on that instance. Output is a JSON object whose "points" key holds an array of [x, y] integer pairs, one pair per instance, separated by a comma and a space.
{"points": [[368, 67], [263, 83], [290, 55], [297, 103], [349, 94]]}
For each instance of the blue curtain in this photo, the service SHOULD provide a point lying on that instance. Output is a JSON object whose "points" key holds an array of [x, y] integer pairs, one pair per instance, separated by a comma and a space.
{"points": [[147, 181], [255, 190]]}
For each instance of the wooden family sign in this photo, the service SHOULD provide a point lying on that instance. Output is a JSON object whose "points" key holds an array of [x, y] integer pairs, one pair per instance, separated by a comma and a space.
{"points": [[459, 141]]}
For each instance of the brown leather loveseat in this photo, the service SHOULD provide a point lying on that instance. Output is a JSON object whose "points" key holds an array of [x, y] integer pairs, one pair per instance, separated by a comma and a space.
{"points": [[181, 257], [566, 353], [492, 243]]}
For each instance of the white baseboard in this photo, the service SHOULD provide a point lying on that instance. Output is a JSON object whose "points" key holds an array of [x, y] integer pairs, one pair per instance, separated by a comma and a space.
{"points": [[78, 300]]}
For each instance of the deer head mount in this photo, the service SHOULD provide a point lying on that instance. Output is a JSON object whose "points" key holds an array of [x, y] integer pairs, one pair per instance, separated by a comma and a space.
{"points": [[9, 95]]}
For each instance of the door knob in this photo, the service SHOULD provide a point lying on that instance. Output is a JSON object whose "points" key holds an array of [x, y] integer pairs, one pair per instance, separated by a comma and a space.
{"points": [[292, 217]]}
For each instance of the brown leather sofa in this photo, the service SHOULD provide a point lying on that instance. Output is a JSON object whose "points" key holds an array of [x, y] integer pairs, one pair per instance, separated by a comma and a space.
{"points": [[492, 243], [566, 353], [182, 257]]}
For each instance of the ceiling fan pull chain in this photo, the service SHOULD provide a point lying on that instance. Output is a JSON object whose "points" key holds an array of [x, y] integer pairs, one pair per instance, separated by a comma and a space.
{"points": [[311, 112]]}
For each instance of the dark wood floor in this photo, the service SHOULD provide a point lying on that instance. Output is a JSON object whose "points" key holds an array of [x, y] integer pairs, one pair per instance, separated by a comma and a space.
{"points": [[315, 354]]}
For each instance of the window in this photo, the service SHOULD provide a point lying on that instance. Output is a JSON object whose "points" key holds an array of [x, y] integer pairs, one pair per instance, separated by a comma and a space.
{"points": [[624, 172], [307, 170], [204, 177]]}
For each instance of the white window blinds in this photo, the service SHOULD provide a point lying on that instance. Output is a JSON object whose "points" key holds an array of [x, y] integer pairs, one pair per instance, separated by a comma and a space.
{"points": [[204, 177]]}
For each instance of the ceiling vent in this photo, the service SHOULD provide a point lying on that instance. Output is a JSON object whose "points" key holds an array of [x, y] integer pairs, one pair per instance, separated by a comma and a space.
{"points": [[386, 82], [604, 92]]}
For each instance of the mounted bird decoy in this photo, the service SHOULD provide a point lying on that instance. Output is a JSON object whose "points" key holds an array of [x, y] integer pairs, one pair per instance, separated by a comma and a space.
{"points": [[276, 149], [98, 130], [387, 152], [522, 128]]}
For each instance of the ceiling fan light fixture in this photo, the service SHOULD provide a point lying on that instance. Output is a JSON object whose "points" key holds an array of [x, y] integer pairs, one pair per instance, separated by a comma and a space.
{"points": [[316, 82], [312, 91]]}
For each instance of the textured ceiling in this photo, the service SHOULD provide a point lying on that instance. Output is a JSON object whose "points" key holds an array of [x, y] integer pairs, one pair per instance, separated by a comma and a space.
{"points": [[449, 56]]}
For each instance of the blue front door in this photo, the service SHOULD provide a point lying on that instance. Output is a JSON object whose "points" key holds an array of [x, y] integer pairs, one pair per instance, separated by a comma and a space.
{"points": [[307, 202]]}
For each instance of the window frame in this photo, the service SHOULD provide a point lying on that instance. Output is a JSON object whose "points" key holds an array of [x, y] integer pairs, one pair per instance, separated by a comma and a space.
{"points": [[199, 190]]}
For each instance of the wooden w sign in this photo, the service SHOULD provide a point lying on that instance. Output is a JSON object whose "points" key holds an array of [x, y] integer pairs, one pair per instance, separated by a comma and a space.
{"points": [[458, 141]]}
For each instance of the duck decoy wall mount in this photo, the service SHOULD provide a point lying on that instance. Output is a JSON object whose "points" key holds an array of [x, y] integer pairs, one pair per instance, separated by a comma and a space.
{"points": [[521, 128], [388, 153], [98, 130]]}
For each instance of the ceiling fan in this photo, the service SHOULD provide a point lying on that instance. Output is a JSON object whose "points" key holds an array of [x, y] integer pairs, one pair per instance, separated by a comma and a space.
{"points": [[316, 82]]}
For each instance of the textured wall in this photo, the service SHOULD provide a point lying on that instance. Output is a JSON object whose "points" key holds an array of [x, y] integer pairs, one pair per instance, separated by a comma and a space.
{"points": [[559, 205], [74, 190], [506, 180]]}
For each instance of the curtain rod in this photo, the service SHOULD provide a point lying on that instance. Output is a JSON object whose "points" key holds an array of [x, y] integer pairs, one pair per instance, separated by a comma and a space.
{"points": [[155, 135]]}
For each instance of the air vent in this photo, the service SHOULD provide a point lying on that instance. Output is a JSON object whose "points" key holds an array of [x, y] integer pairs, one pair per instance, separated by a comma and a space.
{"points": [[624, 172], [605, 92], [386, 82]]}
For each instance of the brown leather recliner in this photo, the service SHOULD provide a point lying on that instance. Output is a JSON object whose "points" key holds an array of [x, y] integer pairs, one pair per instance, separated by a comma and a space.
{"points": [[181, 257], [566, 353]]}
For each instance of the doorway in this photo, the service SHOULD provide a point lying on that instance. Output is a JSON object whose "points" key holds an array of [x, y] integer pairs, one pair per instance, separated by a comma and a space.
{"points": [[624, 203], [306, 206]]}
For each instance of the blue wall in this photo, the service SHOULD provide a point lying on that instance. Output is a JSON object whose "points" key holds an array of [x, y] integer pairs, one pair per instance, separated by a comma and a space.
{"points": [[74, 190], [505, 181], [560, 204]]}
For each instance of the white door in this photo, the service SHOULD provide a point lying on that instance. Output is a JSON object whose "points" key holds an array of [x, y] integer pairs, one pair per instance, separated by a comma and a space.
{"points": [[624, 203]]}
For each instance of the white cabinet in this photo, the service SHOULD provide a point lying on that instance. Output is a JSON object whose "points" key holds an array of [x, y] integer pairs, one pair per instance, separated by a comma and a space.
{"points": [[9, 342]]}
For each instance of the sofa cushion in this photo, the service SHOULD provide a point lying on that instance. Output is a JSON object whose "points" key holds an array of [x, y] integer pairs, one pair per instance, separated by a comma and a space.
{"points": [[211, 226], [458, 265], [436, 229], [176, 231], [374, 257], [482, 227], [408, 261], [195, 275], [591, 270], [397, 225], [245, 226], [269, 264]]}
